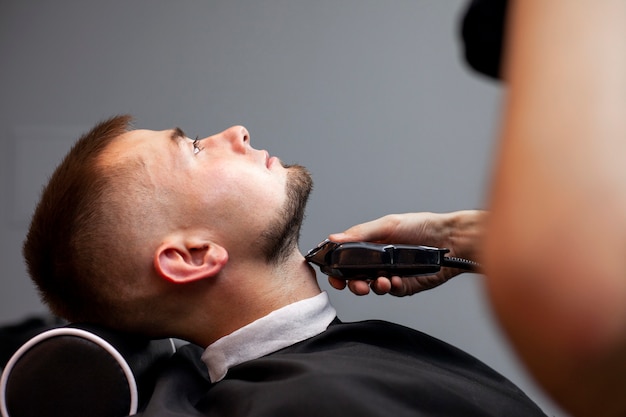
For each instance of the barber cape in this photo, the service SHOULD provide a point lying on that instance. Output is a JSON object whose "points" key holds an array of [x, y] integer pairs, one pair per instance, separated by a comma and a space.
{"points": [[370, 368]]}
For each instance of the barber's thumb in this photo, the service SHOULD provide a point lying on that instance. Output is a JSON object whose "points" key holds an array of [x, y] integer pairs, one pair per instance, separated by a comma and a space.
{"points": [[341, 237], [356, 233]]}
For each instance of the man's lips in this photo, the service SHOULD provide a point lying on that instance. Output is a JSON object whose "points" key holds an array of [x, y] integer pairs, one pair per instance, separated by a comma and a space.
{"points": [[269, 160]]}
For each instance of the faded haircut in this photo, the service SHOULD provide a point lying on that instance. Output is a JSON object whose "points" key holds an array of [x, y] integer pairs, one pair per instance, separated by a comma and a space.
{"points": [[68, 246]]}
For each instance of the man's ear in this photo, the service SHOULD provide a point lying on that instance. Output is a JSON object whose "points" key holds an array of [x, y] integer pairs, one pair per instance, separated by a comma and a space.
{"points": [[180, 261]]}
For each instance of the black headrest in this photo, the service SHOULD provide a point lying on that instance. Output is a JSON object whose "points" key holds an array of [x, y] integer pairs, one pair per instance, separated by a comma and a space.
{"points": [[81, 370]]}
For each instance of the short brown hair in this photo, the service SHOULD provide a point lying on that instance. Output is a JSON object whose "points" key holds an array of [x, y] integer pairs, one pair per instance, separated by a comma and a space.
{"points": [[68, 242]]}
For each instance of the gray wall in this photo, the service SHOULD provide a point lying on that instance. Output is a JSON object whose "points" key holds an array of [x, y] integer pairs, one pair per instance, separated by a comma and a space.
{"points": [[372, 96]]}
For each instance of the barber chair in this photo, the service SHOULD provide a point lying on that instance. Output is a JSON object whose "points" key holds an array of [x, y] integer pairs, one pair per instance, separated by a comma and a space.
{"points": [[82, 370]]}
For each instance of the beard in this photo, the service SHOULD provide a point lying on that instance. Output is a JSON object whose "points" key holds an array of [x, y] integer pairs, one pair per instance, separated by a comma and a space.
{"points": [[282, 235]]}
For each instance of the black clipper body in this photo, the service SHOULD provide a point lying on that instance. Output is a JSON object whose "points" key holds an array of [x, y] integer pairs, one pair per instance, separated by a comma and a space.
{"points": [[365, 260]]}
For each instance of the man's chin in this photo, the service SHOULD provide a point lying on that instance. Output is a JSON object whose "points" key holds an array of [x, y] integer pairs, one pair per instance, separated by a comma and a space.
{"points": [[283, 234]]}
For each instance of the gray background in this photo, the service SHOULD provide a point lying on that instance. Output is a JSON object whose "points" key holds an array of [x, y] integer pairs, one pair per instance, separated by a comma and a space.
{"points": [[372, 96]]}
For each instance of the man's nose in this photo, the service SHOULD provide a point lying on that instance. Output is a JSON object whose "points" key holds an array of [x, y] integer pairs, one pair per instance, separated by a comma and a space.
{"points": [[238, 136]]}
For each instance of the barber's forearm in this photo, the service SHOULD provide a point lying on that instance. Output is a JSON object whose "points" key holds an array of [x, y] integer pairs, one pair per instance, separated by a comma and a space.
{"points": [[557, 229], [466, 232], [559, 198]]}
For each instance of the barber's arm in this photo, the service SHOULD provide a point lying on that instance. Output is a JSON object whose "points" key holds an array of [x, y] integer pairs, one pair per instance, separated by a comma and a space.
{"points": [[460, 232], [555, 244]]}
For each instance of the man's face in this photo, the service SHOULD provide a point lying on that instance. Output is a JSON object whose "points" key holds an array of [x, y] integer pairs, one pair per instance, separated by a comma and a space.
{"points": [[245, 198]]}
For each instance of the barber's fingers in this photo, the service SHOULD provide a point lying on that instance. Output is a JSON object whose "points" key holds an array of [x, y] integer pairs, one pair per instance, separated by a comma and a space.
{"points": [[337, 283], [382, 285], [379, 286], [373, 231], [357, 287]]}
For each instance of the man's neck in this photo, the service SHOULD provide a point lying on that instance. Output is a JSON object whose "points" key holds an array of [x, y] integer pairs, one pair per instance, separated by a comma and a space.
{"points": [[252, 292]]}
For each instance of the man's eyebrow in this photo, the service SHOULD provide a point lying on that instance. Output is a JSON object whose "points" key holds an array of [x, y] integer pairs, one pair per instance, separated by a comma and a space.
{"points": [[177, 134]]}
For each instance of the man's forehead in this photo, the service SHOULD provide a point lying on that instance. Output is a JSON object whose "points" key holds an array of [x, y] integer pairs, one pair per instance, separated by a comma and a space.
{"points": [[138, 138], [138, 134], [162, 149], [137, 143]]}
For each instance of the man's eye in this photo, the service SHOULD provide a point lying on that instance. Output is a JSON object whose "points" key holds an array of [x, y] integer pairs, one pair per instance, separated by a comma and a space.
{"points": [[196, 145]]}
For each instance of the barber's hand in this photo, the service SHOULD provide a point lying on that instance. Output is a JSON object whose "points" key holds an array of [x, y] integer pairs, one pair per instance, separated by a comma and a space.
{"points": [[460, 232]]}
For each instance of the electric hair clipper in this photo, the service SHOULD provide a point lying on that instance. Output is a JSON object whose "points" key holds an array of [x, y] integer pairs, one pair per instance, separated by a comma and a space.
{"points": [[365, 260]]}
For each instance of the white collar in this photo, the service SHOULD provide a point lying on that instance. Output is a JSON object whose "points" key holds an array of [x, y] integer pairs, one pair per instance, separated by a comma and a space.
{"points": [[281, 328]]}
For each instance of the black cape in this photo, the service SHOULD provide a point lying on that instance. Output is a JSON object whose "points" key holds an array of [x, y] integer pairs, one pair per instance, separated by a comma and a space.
{"points": [[370, 368]]}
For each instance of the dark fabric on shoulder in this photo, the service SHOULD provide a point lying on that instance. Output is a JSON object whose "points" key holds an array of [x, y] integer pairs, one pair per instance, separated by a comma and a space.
{"points": [[366, 369], [180, 386]]}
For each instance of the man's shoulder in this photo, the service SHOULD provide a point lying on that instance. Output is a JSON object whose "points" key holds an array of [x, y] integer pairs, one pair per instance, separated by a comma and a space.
{"points": [[375, 335], [372, 368]]}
